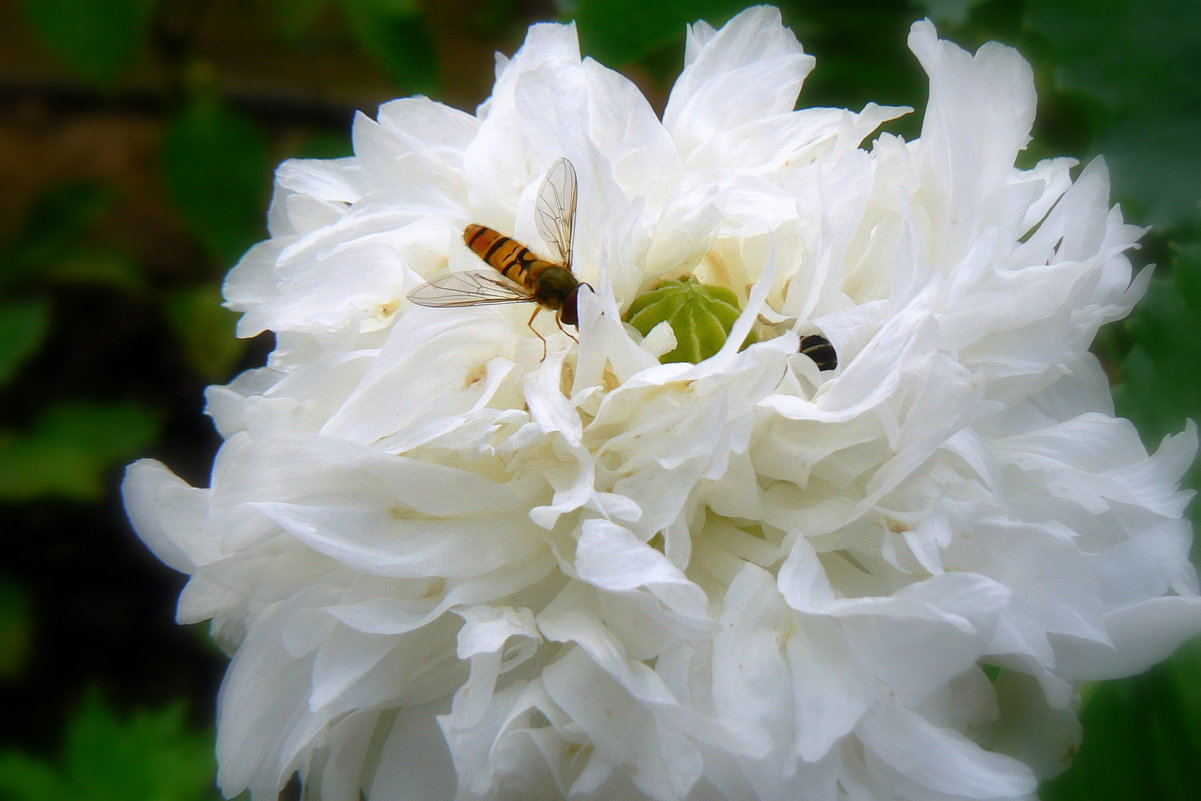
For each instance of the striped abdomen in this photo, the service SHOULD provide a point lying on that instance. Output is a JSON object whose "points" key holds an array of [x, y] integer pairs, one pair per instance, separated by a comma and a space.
{"points": [[819, 349], [509, 257]]}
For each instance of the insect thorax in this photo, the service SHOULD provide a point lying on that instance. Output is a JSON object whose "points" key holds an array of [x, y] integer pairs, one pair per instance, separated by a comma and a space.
{"points": [[553, 286]]}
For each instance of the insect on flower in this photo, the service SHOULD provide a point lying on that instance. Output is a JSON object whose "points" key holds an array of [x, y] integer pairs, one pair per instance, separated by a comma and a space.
{"points": [[524, 278], [819, 349]]}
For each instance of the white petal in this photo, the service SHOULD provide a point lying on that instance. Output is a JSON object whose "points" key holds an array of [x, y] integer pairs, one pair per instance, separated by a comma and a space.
{"points": [[750, 69], [612, 558], [979, 116], [831, 689], [413, 764], [661, 764], [168, 515], [940, 759], [1142, 634]]}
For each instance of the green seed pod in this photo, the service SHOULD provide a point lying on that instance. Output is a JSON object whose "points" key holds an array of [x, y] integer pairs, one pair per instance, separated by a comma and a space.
{"points": [[700, 315]]}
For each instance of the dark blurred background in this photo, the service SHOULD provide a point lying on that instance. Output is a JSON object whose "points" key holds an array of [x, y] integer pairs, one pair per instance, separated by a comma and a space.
{"points": [[137, 142]]}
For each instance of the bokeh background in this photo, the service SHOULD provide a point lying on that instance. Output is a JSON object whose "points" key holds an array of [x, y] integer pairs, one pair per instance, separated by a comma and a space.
{"points": [[137, 143]]}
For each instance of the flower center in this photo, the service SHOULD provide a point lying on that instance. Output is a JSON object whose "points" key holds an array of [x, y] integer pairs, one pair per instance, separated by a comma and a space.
{"points": [[700, 316]]}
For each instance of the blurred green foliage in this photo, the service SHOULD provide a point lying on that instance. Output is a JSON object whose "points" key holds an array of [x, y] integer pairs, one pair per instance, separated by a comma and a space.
{"points": [[67, 450], [54, 227], [217, 169], [144, 756], [205, 330], [395, 34], [98, 40], [1142, 736], [1138, 59], [23, 326], [1160, 382], [617, 32], [1116, 77], [16, 628]]}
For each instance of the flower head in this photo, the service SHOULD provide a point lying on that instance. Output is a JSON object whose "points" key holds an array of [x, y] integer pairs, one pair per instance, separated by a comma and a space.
{"points": [[448, 567]]}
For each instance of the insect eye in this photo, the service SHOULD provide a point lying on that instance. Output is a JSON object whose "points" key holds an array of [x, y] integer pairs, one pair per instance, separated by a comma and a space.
{"points": [[569, 313]]}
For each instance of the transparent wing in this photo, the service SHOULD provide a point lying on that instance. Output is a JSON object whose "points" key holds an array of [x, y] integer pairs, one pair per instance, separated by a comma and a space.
{"points": [[556, 210], [469, 288]]}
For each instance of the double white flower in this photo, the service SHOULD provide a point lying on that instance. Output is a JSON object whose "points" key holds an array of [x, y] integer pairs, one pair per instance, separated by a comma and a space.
{"points": [[446, 569]]}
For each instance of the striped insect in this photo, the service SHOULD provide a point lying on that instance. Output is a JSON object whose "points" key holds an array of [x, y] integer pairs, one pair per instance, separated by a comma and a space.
{"points": [[520, 276], [819, 349]]}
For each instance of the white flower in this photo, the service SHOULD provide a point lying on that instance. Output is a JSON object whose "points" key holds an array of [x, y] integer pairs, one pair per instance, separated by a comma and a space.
{"points": [[448, 569]]}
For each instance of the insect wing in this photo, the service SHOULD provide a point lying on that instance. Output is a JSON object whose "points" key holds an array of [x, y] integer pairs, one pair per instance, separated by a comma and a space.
{"points": [[469, 288], [556, 210]]}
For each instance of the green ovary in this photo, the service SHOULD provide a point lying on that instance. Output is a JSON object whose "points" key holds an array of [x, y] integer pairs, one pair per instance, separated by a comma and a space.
{"points": [[700, 315]]}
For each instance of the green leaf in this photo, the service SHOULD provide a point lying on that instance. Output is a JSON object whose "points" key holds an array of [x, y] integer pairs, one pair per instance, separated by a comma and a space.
{"points": [[1187, 267], [70, 449], [395, 34], [16, 628], [99, 267], [1141, 58], [619, 31], [97, 39], [24, 778], [1111, 760], [1160, 384], [1142, 737], [217, 169], [23, 326], [206, 331], [294, 18], [324, 146], [56, 222], [147, 755], [948, 12], [150, 754]]}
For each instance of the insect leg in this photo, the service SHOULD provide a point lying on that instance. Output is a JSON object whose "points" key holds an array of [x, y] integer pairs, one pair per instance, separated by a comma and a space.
{"points": [[535, 330], [559, 322]]}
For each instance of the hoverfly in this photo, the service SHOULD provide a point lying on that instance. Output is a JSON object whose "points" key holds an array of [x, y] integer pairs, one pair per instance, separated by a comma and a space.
{"points": [[523, 277], [819, 349]]}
